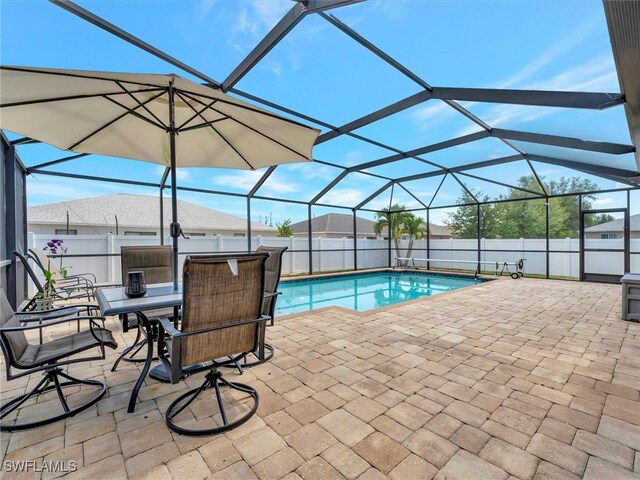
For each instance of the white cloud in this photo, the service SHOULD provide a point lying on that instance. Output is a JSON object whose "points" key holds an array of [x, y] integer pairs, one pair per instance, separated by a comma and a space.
{"points": [[203, 9], [246, 180], [47, 189], [270, 12], [603, 201], [254, 22], [311, 171], [596, 74], [555, 51], [343, 196], [181, 174]]}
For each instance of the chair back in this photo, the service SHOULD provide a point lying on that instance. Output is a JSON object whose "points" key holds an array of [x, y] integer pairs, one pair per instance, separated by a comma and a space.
{"points": [[13, 343], [273, 270], [156, 261], [45, 263], [30, 272], [220, 290]]}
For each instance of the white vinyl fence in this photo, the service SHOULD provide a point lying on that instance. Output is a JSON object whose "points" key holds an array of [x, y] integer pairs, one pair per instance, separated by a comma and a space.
{"points": [[100, 254]]}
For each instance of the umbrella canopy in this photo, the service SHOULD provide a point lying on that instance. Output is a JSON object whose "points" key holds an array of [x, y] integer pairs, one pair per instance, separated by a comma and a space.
{"points": [[163, 119], [127, 115]]}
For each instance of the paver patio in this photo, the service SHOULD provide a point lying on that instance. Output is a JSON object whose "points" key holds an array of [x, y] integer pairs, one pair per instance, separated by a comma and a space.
{"points": [[511, 379]]}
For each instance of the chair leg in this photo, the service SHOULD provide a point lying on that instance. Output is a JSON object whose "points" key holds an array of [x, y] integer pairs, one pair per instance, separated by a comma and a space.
{"points": [[248, 361], [137, 345], [215, 380], [50, 381]]}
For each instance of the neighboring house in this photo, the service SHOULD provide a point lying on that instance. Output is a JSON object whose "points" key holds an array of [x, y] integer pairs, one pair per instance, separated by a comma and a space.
{"points": [[340, 225], [438, 231], [614, 229], [135, 215], [335, 225]]}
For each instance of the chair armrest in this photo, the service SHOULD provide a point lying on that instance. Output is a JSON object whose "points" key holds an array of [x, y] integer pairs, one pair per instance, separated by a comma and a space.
{"points": [[84, 276], [165, 322], [39, 316], [47, 311], [48, 324], [272, 294], [167, 326]]}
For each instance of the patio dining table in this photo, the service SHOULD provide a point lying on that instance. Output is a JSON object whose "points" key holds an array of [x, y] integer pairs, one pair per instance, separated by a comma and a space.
{"points": [[114, 301]]}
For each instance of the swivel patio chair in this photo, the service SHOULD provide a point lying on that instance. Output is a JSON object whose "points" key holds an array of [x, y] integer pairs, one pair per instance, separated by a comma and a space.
{"points": [[48, 358], [221, 319], [273, 270], [156, 262]]}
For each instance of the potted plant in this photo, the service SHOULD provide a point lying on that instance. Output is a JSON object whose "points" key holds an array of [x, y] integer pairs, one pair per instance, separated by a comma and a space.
{"points": [[55, 247], [45, 300]]}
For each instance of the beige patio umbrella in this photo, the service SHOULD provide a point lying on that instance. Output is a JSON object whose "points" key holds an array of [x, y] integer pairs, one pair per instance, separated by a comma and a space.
{"points": [[163, 119]]}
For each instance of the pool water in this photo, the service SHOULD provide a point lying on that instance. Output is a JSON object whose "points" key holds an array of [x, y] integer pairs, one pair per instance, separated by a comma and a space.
{"points": [[362, 292]]}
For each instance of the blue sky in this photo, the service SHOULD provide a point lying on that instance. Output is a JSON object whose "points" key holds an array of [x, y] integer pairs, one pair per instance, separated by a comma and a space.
{"points": [[319, 71]]}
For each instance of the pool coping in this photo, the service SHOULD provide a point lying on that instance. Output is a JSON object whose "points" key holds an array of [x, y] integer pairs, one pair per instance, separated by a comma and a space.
{"points": [[373, 311], [387, 269]]}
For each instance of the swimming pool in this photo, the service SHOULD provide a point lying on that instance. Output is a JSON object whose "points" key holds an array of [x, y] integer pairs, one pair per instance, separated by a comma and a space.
{"points": [[364, 291]]}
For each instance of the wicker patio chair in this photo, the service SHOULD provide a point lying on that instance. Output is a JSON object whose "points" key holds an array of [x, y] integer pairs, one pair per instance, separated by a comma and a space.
{"points": [[273, 270], [221, 318], [156, 262], [48, 358]]}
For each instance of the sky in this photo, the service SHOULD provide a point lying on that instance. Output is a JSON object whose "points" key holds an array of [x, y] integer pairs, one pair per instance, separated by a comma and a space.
{"points": [[319, 71]]}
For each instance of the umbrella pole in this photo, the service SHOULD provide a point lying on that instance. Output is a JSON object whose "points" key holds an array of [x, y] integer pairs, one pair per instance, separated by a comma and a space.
{"points": [[175, 226]]}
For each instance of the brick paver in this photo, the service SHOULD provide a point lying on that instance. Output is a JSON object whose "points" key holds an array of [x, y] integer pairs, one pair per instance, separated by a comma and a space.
{"points": [[528, 379]]}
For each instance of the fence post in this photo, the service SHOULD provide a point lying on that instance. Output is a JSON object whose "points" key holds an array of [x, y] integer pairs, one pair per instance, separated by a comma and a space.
{"points": [[31, 243], [292, 256], [344, 253], [110, 259], [220, 243], [259, 240], [319, 254], [568, 248]]}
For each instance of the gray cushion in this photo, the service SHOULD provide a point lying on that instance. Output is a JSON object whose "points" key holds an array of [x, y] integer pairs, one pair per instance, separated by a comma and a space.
{"points": [[36, 355], [15, 341]]}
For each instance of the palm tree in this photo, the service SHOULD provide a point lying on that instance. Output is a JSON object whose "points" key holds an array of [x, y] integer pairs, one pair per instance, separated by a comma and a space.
{"points": [[414, 226], [399, 222]]}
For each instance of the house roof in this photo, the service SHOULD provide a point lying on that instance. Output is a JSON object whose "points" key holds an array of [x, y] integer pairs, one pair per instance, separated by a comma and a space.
{"points": [[335, 223], [342, 223], [616, 225], [439, 230], [136, 211]]}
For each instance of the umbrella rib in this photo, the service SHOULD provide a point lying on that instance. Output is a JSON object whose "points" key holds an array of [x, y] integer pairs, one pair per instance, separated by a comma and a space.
{"points": [[131, 111], [245, 106], [253, 129], [139, 103], [111, 122], [202, 125], [197, 114], [68, 73], [214, 129], [69, 97]]}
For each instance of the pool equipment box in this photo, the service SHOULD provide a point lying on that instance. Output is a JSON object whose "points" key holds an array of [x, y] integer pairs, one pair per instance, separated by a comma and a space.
{"points": [[631, 297]]}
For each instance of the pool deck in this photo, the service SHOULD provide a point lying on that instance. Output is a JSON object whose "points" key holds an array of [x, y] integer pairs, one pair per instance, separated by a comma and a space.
{"points": [[509, 379]]}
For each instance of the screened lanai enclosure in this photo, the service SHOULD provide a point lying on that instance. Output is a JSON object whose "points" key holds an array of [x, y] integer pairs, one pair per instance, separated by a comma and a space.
{"points": [[495, 156]]}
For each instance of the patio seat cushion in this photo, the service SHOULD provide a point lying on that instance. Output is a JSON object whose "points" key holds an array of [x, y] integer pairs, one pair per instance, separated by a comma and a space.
{"points": [[37, 355]]}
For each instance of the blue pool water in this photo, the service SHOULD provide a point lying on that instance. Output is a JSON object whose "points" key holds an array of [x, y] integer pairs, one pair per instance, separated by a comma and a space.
{"points": [[364, 291]]}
